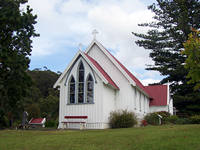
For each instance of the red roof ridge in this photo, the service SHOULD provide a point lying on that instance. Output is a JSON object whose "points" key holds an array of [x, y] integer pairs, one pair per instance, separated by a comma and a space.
{"points": [[108, 78]]}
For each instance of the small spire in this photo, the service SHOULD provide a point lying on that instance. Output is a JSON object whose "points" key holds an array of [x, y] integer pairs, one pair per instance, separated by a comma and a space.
{"points": [[80, 46], [94, 33]]}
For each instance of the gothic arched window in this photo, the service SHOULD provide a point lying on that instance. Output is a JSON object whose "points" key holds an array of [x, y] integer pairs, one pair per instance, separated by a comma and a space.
{"points": [[89, 89], [72, 90], [81, 72]]}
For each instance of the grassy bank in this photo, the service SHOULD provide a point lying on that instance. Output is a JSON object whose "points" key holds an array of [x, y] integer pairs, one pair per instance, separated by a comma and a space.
{"points": [[178, 137]]}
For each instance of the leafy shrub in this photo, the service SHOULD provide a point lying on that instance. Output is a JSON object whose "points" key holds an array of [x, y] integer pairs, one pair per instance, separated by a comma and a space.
{"points": [[172, 119], [122, 119], [51, 123], [164, 115], [176, 120], [182, 121], [195, 119], [152, 118]]}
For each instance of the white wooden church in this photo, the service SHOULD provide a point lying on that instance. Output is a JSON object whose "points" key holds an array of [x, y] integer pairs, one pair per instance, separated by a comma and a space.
{"points": [[95, 83]]}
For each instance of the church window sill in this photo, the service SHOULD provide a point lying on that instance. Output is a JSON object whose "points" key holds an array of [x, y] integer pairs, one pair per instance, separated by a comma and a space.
{"points": [[80, 103]]}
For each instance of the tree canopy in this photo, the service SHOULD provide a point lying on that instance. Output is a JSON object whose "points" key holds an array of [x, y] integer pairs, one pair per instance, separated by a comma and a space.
{"points": [[16, 33], [192, 51], [173, 20], [43, 100]]}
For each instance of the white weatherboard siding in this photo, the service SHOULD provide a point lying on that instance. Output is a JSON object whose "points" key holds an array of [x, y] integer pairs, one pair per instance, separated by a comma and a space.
{"points": [[108, 66], [147, 106], [109, 104], [61, 106], [158, 108], [168, 108], [171, 106], [125, 97], [137, 101], [169, 100]]}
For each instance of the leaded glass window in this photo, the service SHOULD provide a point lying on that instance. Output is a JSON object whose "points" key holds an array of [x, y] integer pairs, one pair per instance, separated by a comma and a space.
{"points": [[90, 89], [72, 90], [81, 83]]}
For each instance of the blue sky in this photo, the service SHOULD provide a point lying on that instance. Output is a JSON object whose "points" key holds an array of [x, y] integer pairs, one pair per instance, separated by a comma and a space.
{"points": [[64, 24]]}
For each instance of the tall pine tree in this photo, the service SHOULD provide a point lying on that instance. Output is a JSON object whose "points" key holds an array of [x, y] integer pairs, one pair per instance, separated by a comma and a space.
{"points": [[16, 31], [173, 20]]}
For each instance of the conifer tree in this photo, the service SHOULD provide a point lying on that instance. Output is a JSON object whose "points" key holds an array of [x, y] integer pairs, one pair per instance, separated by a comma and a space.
{"points": [[173, 20]]}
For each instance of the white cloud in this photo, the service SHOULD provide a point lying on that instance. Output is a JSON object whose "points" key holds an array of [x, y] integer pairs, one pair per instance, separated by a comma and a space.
{"points": [[149, 81], [75, 19], [70, 22]]}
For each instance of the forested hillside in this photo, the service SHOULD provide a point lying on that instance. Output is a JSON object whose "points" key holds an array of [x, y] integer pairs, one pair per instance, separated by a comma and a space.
{"points": [[41, 101]]}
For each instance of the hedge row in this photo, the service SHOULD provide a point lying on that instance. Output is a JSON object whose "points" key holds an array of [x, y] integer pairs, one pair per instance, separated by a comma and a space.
{"points": [[153, 119]]}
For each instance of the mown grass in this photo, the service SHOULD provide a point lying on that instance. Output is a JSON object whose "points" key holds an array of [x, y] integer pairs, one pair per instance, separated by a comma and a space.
{"points": [[177, 137]]}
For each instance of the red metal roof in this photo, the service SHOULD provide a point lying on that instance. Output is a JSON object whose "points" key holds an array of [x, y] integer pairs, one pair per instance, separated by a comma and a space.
{"points": [[159, 95], [108, 78], [36, 121]]}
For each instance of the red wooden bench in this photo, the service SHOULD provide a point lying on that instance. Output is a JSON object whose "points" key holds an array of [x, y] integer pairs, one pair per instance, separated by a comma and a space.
{"points": [[80, 120]]}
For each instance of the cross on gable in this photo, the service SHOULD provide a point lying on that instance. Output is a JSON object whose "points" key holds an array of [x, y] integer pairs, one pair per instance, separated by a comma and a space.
{"points": [[94, 33]]}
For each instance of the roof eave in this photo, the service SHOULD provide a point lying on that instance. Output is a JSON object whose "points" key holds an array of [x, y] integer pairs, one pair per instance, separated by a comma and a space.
{"points": [[115, 88], [143, 92]]}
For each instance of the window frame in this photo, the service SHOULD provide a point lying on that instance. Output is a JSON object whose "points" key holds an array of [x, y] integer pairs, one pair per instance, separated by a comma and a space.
{"points": [[86, 89], [81, 82], [69, 90]]}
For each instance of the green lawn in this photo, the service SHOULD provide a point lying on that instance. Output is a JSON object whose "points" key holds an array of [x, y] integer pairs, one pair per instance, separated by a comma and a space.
{"points": [[177, 137]]}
